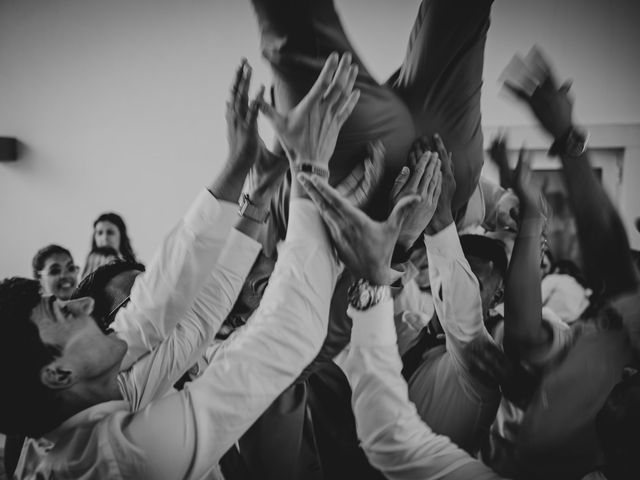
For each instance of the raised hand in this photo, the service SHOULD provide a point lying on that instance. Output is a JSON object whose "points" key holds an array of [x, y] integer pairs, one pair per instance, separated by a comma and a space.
{"points": [[242, 127], [498, 153], [358, 187], [443, 216], [532, 81], [418, 178], [364, 245], [309, 131], [532, 202]]}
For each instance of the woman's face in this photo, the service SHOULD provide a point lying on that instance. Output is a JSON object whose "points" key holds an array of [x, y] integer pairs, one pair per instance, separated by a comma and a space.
{"points": [[106, 234], [59, 276]]}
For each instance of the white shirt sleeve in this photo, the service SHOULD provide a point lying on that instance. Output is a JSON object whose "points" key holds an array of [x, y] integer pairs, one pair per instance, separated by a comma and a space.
{"points": [[185, 433], [456, 292], [162, 294], [396, 441], [153, 375]]}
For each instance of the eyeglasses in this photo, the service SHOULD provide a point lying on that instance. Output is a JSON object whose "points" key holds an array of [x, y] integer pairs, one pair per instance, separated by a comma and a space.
{"points": [[110, 317]]}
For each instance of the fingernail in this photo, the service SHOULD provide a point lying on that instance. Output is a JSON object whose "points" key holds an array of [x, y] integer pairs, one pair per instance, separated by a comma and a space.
{"points": [[405, 170]]}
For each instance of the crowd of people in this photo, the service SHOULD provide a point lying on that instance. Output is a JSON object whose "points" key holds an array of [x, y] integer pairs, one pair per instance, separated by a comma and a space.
{"points": [[355, 302]]}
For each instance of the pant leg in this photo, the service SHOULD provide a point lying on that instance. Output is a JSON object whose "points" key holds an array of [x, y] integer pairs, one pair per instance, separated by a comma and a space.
{"points": [[296, 38], [441, 78]]}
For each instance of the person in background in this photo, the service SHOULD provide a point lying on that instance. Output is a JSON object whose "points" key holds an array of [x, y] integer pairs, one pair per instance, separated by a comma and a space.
{"points": [[54, 268], [97, 257], [109, 230]]}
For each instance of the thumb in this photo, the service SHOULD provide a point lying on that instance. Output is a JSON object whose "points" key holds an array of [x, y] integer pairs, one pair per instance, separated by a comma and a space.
{"points": [[401, 210]]}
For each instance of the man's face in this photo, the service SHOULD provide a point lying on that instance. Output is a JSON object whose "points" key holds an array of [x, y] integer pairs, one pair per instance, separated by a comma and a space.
{"points": [[84, 349], [490, 281]]}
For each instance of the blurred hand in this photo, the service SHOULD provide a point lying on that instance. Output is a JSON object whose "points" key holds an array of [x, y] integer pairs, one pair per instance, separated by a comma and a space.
{"points": [[364, 245], [443, 216], [309, 131], [532, 202], [532, 81], [242, 127], [423, 177], [498, 153], [361, 183]]}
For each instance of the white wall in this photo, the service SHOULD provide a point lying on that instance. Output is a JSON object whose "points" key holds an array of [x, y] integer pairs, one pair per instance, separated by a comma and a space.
{"points": [[120, 103]]}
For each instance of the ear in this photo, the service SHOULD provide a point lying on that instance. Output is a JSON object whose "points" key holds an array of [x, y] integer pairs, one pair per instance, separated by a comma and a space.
{"points": [[80, 306], [55, 377]]}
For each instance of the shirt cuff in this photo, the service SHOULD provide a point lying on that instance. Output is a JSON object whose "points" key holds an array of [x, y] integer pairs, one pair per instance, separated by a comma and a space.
{"points": [[305, 222], [373, 327], [207, 211], [445, 243], [238, 249]]}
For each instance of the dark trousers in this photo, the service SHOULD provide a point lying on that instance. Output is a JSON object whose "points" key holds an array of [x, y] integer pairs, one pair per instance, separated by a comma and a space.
{"points": [[435, 90]]}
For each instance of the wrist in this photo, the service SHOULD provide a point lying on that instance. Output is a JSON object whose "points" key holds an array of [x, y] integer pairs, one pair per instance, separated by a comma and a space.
{"points": [[439, 223]]}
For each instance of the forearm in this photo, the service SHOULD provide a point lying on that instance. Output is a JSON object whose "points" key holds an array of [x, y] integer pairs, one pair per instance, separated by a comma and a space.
{"points": [[455, 288], [523, 299], [394, 438], [153, 376], [162, 294], [283, 337], [602, 237]]}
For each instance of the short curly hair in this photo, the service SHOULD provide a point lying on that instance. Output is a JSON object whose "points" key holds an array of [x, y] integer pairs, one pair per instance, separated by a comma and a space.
{"points": [[26, 405]]}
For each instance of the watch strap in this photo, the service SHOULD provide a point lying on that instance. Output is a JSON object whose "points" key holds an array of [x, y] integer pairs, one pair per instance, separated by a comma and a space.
{"points": [[362, 295], [572, 144], [249, 210]]}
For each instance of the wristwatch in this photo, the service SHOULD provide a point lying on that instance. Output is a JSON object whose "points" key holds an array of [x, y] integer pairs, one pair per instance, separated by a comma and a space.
{"points": [[362, 295], [572, 144], [249, 210], [311, 168]]}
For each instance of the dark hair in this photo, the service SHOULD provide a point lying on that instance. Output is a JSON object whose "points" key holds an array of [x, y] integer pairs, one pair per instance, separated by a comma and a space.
{"points": [[27, 407], [618, 427], [94, 285], [489, 249], [42, 255], [125, 244]]}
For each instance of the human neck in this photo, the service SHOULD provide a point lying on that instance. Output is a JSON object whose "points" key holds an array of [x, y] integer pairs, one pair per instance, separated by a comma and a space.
{"points": [[87, 393]]}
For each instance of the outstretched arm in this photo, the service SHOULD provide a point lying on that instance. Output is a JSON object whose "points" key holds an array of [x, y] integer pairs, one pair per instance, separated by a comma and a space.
{"points": [[162, 295], [602, 237], [523, 300], [394, 437]]}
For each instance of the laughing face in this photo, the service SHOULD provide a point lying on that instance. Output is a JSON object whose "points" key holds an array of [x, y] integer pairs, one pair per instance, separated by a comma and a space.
{"points": [[59, 277]]}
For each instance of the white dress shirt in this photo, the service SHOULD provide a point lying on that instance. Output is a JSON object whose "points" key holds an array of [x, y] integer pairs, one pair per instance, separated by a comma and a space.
{"points": [[184, 434], [396, 441], [449, 397], [162, 294]]}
